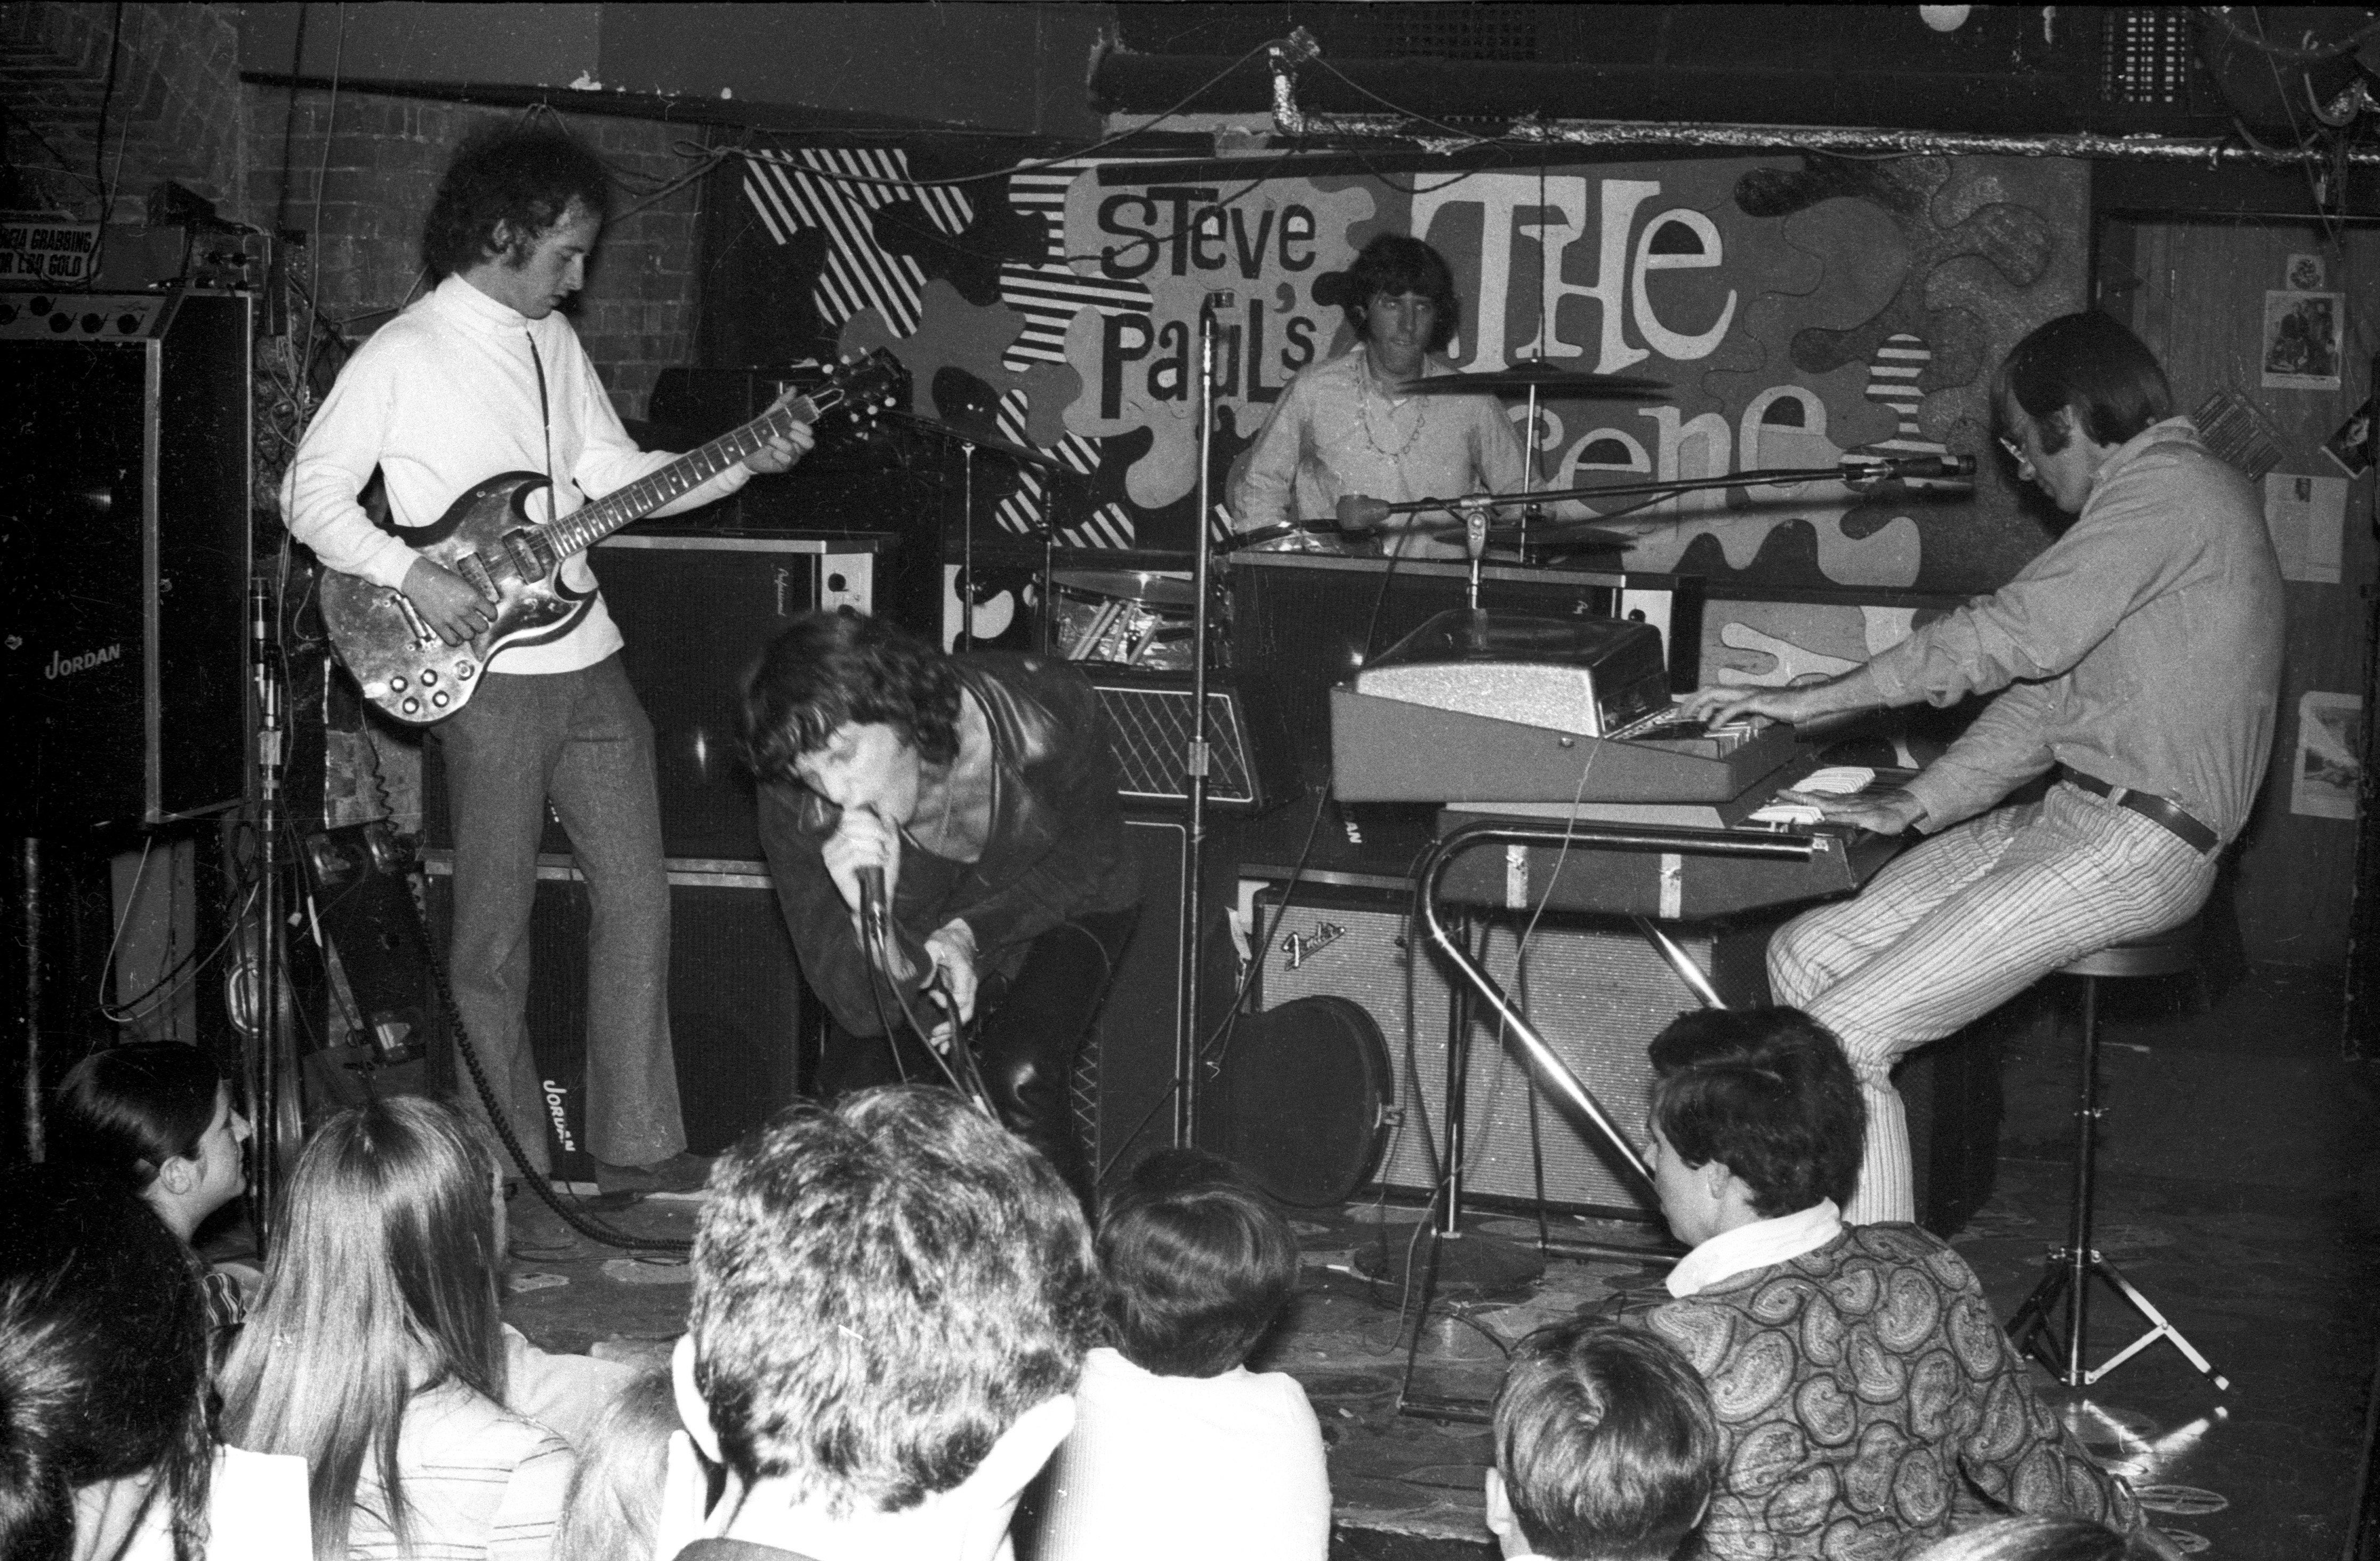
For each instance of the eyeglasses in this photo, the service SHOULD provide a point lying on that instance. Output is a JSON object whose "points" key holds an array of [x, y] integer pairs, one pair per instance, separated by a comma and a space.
{"points": [[2016, 452]]}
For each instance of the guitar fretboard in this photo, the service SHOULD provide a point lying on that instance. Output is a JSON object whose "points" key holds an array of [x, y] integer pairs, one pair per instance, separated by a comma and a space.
{"points": [[584, 527]]}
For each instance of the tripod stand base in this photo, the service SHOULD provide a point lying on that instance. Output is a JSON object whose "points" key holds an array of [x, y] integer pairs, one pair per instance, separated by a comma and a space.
{"points": [[2033, 1332], [1471, 1266]]}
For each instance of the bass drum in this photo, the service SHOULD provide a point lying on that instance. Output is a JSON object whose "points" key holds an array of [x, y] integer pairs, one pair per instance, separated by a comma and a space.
{"points": [[1309, 1093]]}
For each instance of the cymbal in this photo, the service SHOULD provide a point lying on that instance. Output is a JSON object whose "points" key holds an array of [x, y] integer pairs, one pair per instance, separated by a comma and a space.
{"points": [[991, 443], [1546, 379]]}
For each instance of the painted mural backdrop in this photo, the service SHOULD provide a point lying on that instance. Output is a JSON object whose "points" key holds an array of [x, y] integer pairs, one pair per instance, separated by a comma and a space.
{"points": [[1796, 308]]}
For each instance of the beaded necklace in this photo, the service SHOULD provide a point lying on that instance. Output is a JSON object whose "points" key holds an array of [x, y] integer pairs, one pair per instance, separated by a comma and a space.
{"points": [[1364, 415]]}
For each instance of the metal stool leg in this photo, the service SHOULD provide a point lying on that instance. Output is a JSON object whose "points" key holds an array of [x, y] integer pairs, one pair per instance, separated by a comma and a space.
{"points": [[2070, 1270]]}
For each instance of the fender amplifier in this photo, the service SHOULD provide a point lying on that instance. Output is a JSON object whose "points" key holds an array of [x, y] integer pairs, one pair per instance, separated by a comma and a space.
{"points": [[1249, 763]]}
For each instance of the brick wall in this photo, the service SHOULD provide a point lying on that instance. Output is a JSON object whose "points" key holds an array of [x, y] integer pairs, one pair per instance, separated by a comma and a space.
{"points": [[360, 175], [361, 169], [172, 113]]}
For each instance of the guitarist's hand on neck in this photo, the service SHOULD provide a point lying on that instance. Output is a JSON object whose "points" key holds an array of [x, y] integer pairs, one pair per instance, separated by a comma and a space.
{"points": [[782, 450], [446, 602]]}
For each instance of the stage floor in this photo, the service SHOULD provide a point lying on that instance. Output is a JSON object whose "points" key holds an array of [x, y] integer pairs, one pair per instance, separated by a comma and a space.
{"points": [[2238, 1189]]}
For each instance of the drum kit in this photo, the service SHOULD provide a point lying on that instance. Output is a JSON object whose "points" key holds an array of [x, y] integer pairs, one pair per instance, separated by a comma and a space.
{"points": [[1148, 619]]}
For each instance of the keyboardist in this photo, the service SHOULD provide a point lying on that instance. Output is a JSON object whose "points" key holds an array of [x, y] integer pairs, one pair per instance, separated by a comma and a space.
{"points": [[2138, 658]]}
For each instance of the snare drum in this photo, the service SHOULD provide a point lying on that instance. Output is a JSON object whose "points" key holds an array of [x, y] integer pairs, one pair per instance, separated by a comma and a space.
{"points": [[1130, 618]]}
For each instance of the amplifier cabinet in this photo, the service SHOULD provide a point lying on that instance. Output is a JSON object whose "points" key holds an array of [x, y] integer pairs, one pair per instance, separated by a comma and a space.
{"points": [[1595, 991], [736, 999], [1249, 768], [123, 604], [1123, 1075]]}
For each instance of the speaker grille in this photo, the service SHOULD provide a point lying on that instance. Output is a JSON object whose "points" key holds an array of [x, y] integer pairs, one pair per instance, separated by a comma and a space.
{"points": [[1597, 996], [1152, 738]]}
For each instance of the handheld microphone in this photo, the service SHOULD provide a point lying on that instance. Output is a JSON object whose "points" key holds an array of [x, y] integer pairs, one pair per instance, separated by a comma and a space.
{"points": [[875, 916]]}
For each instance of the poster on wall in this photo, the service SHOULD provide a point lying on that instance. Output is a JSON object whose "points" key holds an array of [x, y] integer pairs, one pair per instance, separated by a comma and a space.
{"points": [[2302, 332], [1793, 309], [2329, 772], [2307, 516]]}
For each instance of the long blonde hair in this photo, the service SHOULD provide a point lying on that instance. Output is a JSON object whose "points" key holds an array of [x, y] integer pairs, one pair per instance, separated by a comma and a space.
{"points": [[382, 1284]]}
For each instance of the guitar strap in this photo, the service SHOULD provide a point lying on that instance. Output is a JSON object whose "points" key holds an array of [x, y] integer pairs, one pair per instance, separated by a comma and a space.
{"points": [[545, 425]]}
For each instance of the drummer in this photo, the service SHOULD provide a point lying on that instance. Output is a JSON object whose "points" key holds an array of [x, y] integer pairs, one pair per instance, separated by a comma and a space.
{"points": [[1348, 427]]}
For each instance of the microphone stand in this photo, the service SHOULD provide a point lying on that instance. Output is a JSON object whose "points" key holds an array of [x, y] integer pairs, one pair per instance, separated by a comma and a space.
{"points": [[1194, 855]]}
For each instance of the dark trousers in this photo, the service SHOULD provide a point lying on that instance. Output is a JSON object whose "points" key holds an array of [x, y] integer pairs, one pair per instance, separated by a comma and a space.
{"points": [[1026, 1034]]}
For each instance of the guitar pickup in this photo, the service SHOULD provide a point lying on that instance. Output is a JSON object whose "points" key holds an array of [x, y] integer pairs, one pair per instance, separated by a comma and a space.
{"points": [[474, 571], [528, 554]]}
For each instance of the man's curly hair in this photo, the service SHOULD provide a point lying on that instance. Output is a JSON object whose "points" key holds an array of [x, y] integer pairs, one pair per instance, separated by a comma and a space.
{"points": [[524, 177]]}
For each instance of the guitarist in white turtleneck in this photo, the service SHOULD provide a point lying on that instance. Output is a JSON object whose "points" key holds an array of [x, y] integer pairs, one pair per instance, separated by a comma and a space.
{"points": [[484, 377]]}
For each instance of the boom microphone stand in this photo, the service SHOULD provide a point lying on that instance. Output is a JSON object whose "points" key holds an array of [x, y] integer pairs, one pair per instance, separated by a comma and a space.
{"points": [[1194, 767]]}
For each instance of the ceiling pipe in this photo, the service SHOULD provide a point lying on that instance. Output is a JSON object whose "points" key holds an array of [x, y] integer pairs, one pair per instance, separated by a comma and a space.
{"points": [[1289, 120]]}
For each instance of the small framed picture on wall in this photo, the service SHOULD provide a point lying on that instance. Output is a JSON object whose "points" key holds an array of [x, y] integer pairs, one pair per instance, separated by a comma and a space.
{"points": [[2302, 332]]}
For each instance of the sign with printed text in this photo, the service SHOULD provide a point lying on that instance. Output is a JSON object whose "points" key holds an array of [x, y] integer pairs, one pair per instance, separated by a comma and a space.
{"points": [[1792, 310], [45, 250]]}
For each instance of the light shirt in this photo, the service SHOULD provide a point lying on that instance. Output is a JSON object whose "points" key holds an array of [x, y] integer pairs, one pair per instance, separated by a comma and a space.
{"points": [[256, 1511], [1187, 1469], [1757, 1245], [444, 397], [2144, 647], [1333, 433]]}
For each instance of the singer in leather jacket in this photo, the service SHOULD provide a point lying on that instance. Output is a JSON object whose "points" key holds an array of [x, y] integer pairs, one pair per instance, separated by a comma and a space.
{"points": [[979, 796]]}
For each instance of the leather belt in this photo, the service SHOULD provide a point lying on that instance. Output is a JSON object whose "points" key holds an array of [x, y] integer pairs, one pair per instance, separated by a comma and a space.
{"points": [[2149, 805]]}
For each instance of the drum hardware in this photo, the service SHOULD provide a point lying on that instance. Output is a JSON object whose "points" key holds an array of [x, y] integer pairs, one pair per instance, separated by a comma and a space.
{"points": [[1534, 377], [1132, 618], [968, 443]]}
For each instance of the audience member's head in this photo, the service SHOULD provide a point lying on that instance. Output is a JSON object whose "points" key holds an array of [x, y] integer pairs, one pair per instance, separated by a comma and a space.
{"points": [[1607, 1448], [1197, 1265], [157, 1116], [2039, 1539], [1756, 1113], [384, 1277], [103, 1372], [891, 1302], [615, 1496]]}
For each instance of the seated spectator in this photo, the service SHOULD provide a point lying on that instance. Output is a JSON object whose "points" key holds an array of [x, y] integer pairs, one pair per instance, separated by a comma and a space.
{"points": [[158, 1118], [1179, 1450], [615, 1498], [375, 1353], [104, 1449], [891, 1300], [1867, 1400], [1606, 1446], [2048, 1539]]}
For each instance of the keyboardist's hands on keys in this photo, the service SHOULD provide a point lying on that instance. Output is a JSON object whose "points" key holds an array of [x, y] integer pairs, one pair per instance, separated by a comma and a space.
{"points": [[1727, 702], [1886, 812]]}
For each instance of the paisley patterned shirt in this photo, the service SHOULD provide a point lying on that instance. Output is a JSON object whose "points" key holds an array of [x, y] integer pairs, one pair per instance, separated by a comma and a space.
{"points": [[1869, 1404]]}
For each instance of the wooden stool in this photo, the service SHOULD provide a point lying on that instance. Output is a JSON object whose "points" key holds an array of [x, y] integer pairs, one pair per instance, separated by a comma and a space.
{"points": [[2072, 1267]]}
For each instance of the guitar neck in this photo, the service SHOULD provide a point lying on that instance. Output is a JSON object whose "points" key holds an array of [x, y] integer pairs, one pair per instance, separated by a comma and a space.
{"points": [[588, 525]]}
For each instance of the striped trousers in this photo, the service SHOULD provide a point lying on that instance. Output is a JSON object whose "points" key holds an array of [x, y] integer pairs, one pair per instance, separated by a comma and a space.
{"points": [[1961, 923]]}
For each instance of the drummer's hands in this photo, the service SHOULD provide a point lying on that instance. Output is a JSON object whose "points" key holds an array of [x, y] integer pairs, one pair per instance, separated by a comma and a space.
{"points": [[781, 451], [1888, 812], [1716, 707], [862, 840]]}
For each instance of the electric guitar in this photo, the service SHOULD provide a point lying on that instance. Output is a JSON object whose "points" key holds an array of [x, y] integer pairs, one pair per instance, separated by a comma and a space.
{"points": [[488, 537]]}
